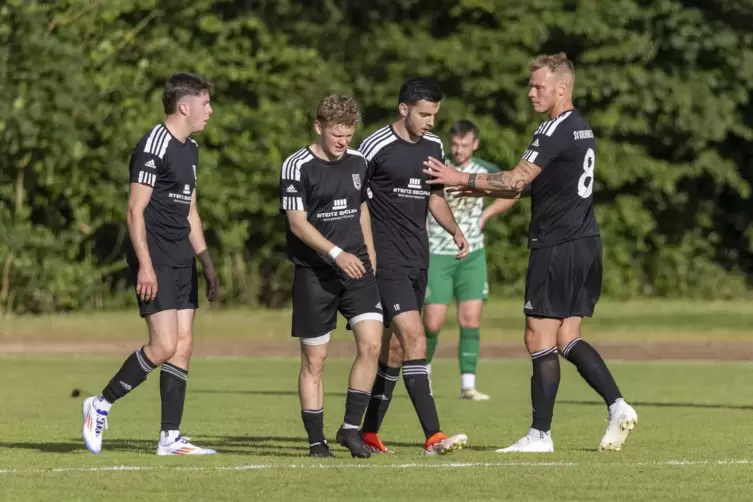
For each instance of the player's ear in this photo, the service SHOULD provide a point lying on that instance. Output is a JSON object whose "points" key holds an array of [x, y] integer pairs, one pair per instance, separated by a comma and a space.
{"points": [[403, 109], [475, 144], [318, 127], [183, 108]]}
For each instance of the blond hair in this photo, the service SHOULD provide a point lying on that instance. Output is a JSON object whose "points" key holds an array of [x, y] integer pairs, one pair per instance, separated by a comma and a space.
{"points": [[555, 63], [338, 109]]}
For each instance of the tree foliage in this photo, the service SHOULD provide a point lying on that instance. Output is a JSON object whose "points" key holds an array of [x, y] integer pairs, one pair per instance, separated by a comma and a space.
{"points": [[666, 85]]}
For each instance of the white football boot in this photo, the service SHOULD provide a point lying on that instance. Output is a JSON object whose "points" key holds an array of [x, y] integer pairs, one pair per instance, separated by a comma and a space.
{"points": [[173, 444], [622, 420], [473, 395], [441, 444], [534, 442], [95, 422]]}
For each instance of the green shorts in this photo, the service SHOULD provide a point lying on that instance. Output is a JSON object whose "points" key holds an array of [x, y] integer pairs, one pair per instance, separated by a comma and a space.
{"points": [[464, 279]]}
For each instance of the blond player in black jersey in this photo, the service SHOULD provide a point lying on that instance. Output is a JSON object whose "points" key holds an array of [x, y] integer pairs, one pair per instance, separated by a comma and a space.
{"points": [[563, 283]]}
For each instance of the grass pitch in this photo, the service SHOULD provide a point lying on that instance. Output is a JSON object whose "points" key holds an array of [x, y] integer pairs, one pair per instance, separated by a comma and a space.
{"points": [[694, 439]]}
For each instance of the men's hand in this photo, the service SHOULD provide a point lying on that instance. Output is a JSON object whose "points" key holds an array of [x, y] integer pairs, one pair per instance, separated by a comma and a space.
{"points": [[482, 221], [461, 243], [351, 265], [213, 283], [146, 283], [442, 174], [210, 276]]}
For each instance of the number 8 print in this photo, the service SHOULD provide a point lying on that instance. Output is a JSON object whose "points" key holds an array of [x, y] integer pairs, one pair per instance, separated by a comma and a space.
{"points": [[586, 181]]}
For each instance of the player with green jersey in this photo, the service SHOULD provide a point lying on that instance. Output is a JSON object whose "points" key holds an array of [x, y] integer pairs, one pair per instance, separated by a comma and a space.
{"points": [[465, 280]]}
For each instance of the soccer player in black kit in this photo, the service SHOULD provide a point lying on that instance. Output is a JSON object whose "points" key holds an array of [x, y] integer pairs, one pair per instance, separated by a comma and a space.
{"points": [[329, 240], [563, 283], [165, 234], [399, 201]]}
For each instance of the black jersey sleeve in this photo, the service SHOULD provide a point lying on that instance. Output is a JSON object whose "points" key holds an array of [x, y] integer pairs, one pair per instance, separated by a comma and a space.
{"points": [[437, 153], [144, 166], [365, 190], [292, 187], [549, 141]]}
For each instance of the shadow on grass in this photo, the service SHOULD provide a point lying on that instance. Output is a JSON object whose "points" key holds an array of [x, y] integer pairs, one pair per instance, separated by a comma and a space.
{"points": [[259, 446], [272, 446], [649, 404]]}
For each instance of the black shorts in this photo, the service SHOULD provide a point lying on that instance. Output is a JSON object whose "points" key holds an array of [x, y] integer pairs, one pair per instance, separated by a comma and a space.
{"points": [[564, 280], [320, 293], [402, 289], [177, 288]]}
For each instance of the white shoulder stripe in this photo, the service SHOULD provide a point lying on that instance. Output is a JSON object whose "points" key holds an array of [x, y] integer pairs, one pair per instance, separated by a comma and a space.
{"points": [[372, 140], [291, 168], [371, 153], [542, 127], [152, 135], [550, 129], [157, 142]]}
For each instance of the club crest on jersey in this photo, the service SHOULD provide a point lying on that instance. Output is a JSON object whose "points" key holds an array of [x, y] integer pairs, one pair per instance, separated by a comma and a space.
{"points": [[357, 181]]}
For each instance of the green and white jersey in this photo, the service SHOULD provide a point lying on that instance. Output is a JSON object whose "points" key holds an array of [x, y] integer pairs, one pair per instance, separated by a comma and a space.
{"points": [[467, 211]]}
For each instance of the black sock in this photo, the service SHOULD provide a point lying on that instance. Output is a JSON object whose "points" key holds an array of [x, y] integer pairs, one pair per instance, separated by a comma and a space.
{"points": [[172, 389], [355, 406], [416, 380], [381, 395], [544, 384], [133, 373], [313, 422], [592, 368]]}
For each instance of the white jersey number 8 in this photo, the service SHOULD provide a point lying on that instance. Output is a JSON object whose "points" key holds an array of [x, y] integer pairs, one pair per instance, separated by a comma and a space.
{"points": [[586, 181]]}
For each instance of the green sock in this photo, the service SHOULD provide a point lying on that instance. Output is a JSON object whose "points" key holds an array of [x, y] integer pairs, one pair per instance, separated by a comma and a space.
{"points": [[468, 349], [432, 338]]}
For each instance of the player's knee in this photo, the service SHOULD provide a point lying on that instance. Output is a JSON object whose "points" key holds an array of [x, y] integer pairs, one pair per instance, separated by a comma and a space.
{"points": [[312, 364], [433, 323], [162, 350], [470, 320], [539, 337], [369, 348], [394, 353], [185, 346]]}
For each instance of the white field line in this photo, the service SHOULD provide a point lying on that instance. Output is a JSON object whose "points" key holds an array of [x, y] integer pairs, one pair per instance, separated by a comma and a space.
{"points": [[452, 465]]}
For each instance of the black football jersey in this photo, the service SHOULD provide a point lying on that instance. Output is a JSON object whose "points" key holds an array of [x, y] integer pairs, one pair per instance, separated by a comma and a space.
{"points": [[399, 196], [562, 207], [331, 193], [168, 166]]}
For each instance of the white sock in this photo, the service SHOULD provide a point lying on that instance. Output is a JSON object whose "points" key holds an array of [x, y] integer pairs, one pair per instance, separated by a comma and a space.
{"points": [[614, 405], [167, 438], [468, 381], [102, 404]]}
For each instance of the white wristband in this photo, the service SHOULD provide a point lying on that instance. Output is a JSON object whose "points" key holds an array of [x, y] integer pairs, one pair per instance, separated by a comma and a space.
{"points": [[335, 252]]}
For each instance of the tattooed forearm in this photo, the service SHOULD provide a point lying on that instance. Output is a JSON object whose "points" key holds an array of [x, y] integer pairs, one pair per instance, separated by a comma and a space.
{"points": [[513, 181]]}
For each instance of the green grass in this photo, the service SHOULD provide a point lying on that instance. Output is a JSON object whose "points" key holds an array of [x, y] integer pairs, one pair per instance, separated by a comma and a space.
{"points": [[503, 320], [695, 419]]}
